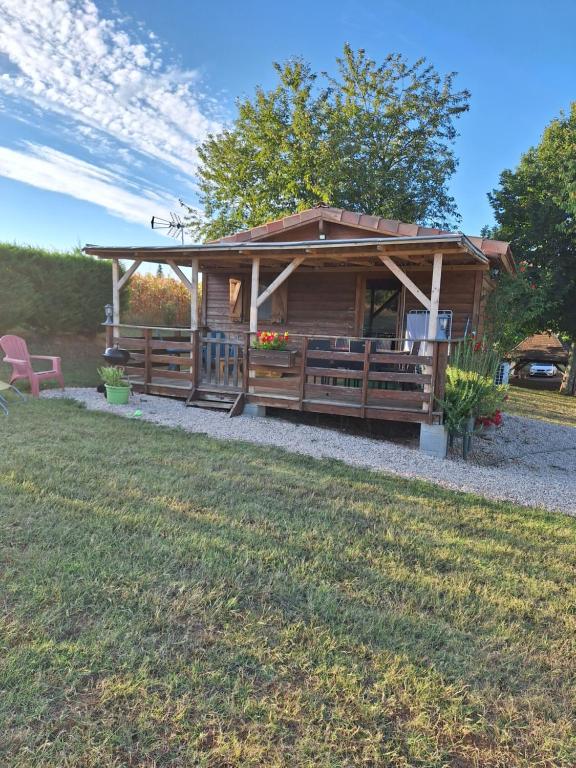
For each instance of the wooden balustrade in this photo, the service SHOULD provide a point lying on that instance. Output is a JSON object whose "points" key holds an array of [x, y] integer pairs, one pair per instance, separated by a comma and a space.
{"points": [[345, 376]]}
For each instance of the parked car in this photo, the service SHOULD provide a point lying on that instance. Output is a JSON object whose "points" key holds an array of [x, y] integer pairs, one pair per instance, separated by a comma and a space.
{"points": [[543, 369]]}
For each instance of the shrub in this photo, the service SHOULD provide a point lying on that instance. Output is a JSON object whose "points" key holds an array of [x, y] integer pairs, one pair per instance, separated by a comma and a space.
{"points": [[52, 292], [470, 389]]}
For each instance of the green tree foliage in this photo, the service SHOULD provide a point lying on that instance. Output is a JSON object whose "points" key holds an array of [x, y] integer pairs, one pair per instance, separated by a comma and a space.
{"points": [[373, 138], [535, 207], [515, 309], [52, 292]]}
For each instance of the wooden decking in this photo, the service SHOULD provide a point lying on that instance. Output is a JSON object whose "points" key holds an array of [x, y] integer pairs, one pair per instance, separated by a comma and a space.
{"points": [[364, 378]]}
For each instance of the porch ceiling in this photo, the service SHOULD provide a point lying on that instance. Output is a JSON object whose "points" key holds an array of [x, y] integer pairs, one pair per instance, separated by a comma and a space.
{"points": [[355, 253]]}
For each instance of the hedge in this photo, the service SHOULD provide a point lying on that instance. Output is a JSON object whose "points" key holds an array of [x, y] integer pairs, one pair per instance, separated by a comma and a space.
{"points": [[52, 292]]}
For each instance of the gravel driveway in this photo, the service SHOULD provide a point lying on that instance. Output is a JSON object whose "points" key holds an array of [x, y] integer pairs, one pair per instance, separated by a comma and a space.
{"points": [[527, 461]]}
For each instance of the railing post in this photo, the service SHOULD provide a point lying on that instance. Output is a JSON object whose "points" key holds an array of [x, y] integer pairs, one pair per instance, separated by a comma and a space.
{"points": [[147, 361], [441, 365], [303, 363], [433, 373], [365, 377], [245, 370], [195, 355]]}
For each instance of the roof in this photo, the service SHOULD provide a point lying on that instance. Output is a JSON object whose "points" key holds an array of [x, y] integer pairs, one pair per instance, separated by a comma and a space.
{"points": [[376, 224], [453, 244], [541, 346]]}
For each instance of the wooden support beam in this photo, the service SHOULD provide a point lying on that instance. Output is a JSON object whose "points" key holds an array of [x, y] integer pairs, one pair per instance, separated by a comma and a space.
{"points": [[255, 286], [435, 296], [128, 274], [194, 296], [405, 280], [286, 272], [179, 274], [115, 292]]}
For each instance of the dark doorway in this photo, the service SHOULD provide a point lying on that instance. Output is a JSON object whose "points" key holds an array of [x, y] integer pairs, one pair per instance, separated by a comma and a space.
{"points": [[381, 304]]}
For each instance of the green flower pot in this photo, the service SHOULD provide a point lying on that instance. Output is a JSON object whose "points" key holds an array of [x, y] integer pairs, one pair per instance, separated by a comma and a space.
{"points": [[117, 395]]}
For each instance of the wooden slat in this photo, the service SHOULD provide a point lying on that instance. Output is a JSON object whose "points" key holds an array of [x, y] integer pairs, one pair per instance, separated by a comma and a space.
{"points": [[336, 409], [132, 370], [376, 396], [334, 354], [408, 378], [393, 414], [398, 358], [128, 343], [288, 403], [166, 374], [328, 392], [291, 384], [166, 344], [171, 359], [334, 373]]}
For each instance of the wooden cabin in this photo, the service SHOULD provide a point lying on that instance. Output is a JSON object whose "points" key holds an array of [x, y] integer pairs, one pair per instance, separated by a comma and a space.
{"points": [[371, 307]]}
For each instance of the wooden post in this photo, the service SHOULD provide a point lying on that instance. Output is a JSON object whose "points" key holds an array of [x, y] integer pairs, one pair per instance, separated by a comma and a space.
{"points": [[195, 355], [115, 294], [365, 377], [147, 361], [246, 353], [435, 296], [254, 294], [194, 296], [303, 364], [431, 345], [194, 321]]}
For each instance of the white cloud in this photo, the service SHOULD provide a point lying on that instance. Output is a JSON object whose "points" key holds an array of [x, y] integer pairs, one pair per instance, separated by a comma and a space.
{"points": [[55, 171], [65, 59]]}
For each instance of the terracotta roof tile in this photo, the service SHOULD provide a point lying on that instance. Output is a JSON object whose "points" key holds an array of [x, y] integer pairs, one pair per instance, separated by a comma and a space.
{"points": [[376, 224], [410, 230]]}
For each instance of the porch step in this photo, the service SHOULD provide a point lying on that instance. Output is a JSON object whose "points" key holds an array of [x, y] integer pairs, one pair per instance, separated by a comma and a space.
{"points": [[230, 402]]}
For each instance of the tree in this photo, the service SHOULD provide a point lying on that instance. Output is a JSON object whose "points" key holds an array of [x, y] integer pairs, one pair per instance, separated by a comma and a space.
{"points": [[535, 208], [373, 138]]}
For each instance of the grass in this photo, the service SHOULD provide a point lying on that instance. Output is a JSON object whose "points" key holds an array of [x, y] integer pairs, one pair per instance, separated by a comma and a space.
{"points": [[540, 404], [171, 600]]}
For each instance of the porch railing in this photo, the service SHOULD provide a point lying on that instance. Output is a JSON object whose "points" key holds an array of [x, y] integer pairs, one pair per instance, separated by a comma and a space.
{"points": [[368, 378]]}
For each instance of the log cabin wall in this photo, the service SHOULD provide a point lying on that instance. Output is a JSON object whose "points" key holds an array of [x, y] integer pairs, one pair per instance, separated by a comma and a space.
{"points": [[458, 292], [317, 304], [329, 304]]}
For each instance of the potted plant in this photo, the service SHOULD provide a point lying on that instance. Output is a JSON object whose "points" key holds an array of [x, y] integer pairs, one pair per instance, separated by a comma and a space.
{"points": [[117, 387], [271, 348]]}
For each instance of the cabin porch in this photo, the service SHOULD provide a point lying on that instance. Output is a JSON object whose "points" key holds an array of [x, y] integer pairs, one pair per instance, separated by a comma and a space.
{"points": [[368, 378]]}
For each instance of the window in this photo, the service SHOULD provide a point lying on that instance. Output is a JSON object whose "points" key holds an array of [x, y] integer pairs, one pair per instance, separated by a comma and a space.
{"points": [[273, 310], [381, 299]]}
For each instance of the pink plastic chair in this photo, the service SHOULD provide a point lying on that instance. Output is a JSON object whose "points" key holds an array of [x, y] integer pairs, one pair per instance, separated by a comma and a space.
{"points": [[20, 359]]}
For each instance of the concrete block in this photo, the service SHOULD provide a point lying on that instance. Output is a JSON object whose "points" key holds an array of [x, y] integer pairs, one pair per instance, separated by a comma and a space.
{"points": [[251, 409], [434, 440]]}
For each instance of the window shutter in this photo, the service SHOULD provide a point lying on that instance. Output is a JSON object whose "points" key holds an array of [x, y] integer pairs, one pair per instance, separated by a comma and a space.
{"points": [[236, 299]]}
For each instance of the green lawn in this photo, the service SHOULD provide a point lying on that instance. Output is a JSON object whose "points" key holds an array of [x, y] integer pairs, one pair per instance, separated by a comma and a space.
{"points": [[171, 600], [539, 404]]}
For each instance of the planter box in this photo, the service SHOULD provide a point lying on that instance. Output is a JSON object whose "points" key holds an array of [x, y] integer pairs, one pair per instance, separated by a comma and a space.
{"points": [[279, 358]]}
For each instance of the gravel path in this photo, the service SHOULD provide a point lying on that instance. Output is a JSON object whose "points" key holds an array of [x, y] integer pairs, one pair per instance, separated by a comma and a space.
{"points": [[527, 461]]}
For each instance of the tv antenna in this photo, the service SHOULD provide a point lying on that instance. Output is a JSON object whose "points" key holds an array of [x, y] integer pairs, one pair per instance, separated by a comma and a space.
{"points": [[174, 226]]}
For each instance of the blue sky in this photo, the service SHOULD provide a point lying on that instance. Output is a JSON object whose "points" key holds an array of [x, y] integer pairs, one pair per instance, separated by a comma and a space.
{"points": [[102, 104]]}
